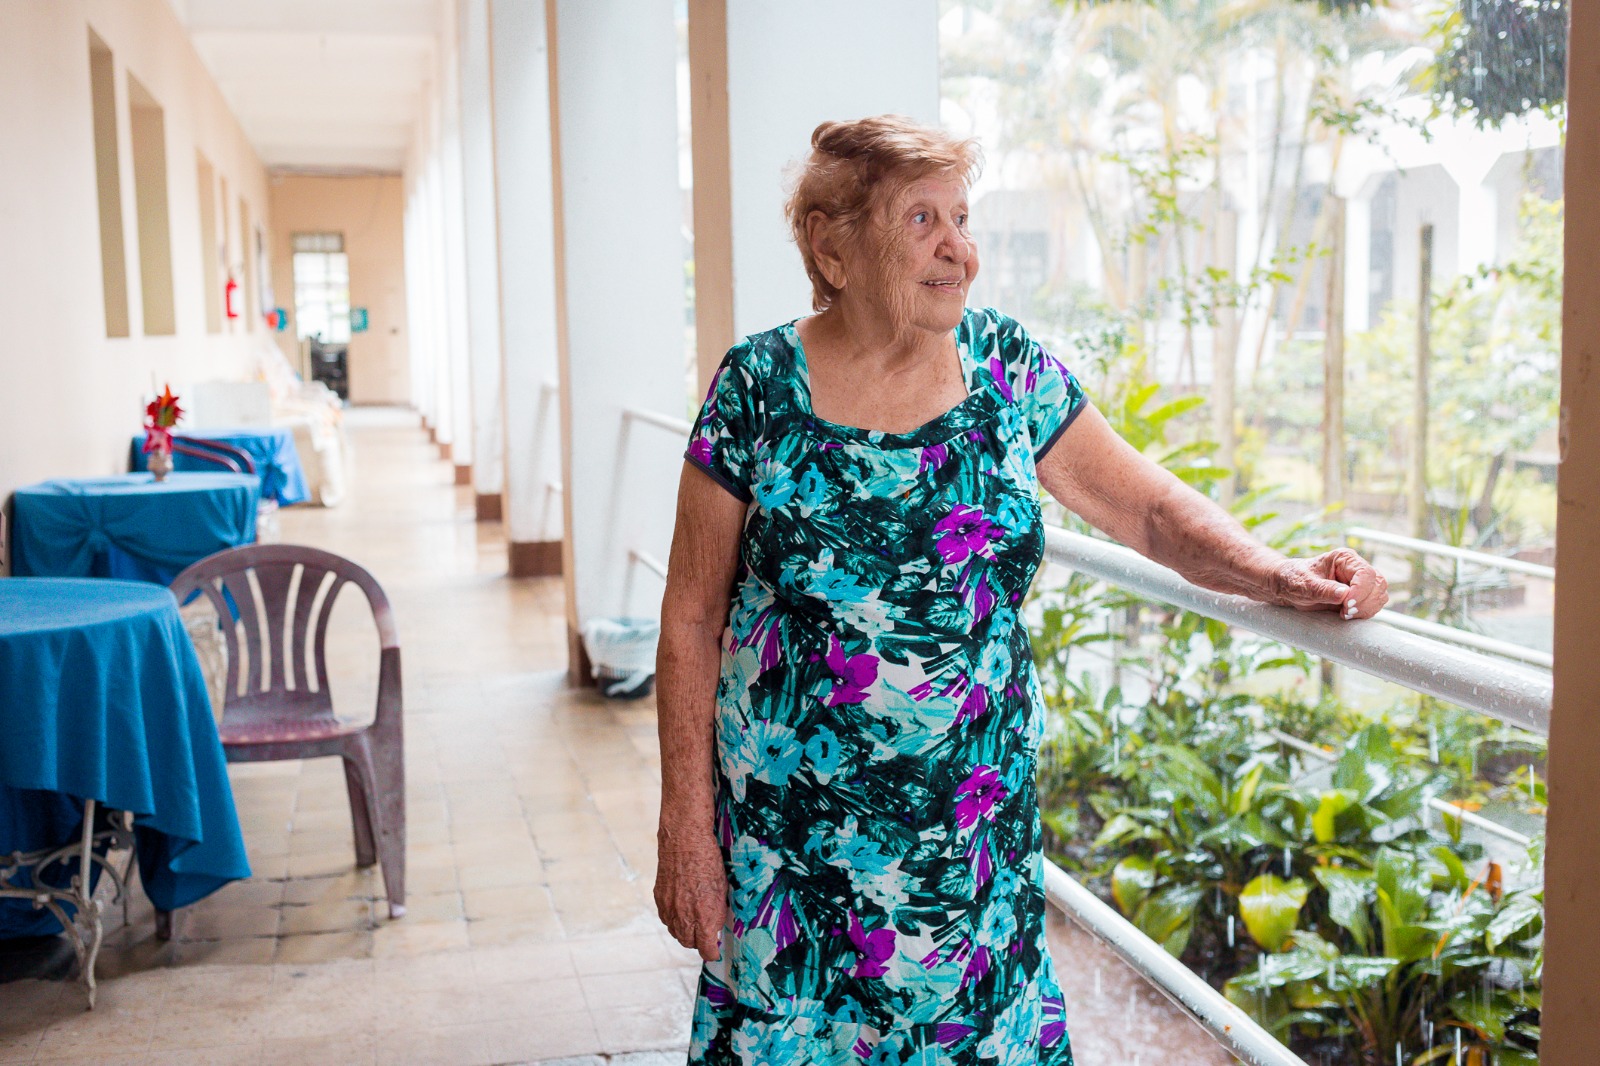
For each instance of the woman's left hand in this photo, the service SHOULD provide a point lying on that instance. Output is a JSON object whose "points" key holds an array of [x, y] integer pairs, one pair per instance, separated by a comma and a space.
{"points": [[1339, 580]]}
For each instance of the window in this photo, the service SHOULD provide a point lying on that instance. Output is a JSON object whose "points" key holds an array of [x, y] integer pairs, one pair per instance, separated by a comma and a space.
{"points": [[108, 185], [321, 287]]}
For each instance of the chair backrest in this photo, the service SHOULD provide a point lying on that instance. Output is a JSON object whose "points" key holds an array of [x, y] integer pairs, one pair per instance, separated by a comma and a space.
{"points": [[236, 459], [275, 601]]}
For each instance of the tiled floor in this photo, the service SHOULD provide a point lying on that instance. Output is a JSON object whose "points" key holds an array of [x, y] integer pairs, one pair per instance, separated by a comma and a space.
{"points": [[530, 934]]}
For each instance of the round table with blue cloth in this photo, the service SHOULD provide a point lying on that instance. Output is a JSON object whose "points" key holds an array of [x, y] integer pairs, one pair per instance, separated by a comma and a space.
{"points": [[130, 525], [104, 700], [271, 447]]}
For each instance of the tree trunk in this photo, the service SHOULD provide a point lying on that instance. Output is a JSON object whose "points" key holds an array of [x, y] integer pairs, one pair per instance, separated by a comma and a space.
{"points": [[1417, 474], [1333, 453]]}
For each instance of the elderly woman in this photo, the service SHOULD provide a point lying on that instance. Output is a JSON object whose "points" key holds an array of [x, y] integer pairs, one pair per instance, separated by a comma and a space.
{"points": [[849, 714]]}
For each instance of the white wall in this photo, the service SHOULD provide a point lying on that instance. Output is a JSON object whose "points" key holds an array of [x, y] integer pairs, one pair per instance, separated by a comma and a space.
{"points": [[888, 62], [74, 398]]}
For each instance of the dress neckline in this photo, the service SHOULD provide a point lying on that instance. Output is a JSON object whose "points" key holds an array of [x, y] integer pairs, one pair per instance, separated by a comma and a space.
{"points": [[955, 419]]}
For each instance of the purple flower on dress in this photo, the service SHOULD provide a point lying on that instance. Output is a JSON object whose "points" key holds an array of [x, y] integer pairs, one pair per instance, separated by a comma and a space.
{"points": [[964, 531], [949, 1033], [1054, 1025], [854, 673], [977, 967], [977, 795], [997, 370], [763, 636], [785, 929], [974, 706], [875, 949], [933, 457], [700, 450]]}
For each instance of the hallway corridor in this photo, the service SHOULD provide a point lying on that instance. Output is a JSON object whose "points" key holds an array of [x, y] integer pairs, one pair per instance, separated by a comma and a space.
{"points": [[530, 934]]}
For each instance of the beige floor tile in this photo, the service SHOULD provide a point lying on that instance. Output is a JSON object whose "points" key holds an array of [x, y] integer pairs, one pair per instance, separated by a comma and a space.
{"points": [[405, 938], [622, 954], [357, 1049], [324, 947], [502, 932], [256, 951], [644, 1028], [233, 922], [328, 916], [501, 875], [649, 988], [352, 884]]}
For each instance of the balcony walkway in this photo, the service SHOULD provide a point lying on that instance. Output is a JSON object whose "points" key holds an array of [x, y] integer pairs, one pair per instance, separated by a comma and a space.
{"points": [[530, 935]]}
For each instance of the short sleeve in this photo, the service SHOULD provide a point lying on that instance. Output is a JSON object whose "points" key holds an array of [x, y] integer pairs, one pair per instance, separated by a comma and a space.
{"points": [[722, 441], [1048, 394]]}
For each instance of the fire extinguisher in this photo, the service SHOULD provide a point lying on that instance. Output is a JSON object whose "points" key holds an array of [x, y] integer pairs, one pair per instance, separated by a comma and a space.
{"points": [[230, 294]]}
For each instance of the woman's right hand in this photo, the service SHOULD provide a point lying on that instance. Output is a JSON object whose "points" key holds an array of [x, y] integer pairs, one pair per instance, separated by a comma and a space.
{"points": [[691, 888]]}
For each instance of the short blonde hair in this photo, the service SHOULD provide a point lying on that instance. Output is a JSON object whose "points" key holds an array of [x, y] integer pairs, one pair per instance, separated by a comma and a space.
{"points": [[856, 167]]}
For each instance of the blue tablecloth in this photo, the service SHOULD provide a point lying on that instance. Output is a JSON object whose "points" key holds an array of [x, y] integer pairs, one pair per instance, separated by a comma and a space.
{"points": [[272, 448], [101, 697], [130, 526]]}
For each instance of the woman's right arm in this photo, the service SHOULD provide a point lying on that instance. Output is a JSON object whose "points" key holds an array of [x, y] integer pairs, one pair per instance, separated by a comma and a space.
{"points": [[691, 889]]}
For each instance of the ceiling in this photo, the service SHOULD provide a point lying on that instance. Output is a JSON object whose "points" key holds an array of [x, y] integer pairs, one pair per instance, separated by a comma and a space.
{"points": [[329, 86]]}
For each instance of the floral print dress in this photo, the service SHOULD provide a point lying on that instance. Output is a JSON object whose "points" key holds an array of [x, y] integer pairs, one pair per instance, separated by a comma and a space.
{"points": [[878, 720]]}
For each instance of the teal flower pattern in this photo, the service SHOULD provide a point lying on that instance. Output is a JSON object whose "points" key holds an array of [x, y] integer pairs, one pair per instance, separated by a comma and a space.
{"points": [[878, 719]]}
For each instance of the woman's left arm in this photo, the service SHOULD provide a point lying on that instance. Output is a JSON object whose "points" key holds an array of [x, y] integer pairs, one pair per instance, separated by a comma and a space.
{"points": [[1113, 487]]}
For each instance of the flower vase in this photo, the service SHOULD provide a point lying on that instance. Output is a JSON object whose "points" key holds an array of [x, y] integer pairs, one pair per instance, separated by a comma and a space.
{"points": [[159, 464]]}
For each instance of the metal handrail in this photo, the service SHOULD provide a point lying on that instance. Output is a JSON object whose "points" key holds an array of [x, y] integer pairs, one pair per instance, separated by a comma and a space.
{"points": [[1466, 639], [653, 418], [1232, 1027], [649, 562], [1450, 551], [1516, 695]]}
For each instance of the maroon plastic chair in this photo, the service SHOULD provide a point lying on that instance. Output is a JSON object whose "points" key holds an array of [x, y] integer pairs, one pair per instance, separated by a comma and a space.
{"points": [[284, 713]]}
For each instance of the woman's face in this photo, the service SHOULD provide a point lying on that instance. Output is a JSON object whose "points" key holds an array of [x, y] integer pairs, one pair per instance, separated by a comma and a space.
{"points": [[917, 258]]}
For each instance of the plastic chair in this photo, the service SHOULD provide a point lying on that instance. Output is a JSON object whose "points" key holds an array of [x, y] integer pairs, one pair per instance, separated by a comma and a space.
{"points": [[281, 712], [235, 459]]}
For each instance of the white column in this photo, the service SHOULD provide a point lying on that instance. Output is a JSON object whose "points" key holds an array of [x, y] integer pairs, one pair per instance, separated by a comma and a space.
{"points": [[750, 122], [524, 191], [481, 251], [418, 307], [620, 255], [453, 256]]}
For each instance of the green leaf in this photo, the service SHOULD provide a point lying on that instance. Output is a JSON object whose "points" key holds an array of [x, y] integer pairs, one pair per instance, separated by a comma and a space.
{"points": [[1245, 793], [1366, 767], [1167, 917], [1520, 917], [1132, 881], [1323, 821], [1350, 894], [1481, 1016], [1121, 829], [1271, 907]]}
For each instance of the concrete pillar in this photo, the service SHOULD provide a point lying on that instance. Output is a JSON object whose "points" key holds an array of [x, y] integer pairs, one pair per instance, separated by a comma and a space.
{"points": [[619, 256], [524, 196], [444, 414], [1569, 1036], [481, 254], [419, 305], [749, 123], [453, 260]]}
